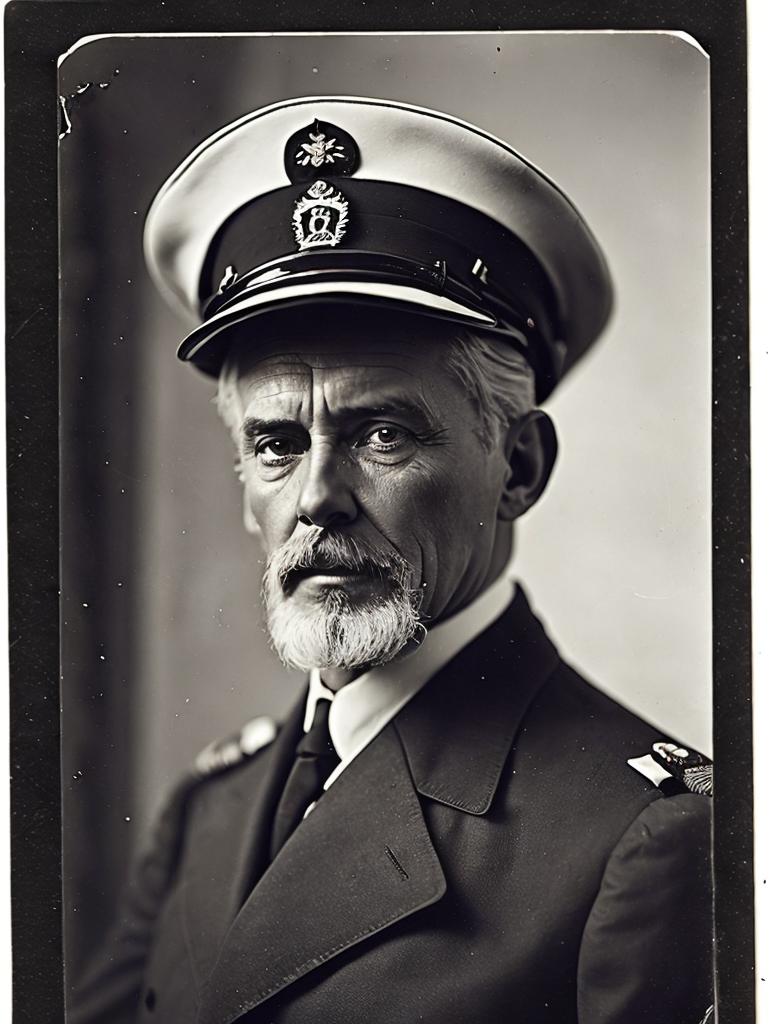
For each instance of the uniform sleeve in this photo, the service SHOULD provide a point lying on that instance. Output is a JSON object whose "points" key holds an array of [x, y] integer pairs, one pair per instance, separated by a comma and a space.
{"points": [[647, 949], [109, 991]]}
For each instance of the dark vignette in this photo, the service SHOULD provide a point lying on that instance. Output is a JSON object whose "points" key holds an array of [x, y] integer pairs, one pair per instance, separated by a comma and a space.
{"points": [[37, 31]]}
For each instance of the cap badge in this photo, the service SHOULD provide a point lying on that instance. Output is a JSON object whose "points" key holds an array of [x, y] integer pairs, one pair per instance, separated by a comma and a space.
{"points": [[320, 216], [320, 148], [318, 151]]}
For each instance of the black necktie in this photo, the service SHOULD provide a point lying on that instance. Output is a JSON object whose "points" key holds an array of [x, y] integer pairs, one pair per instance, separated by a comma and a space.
{"points": [[315, 760]]}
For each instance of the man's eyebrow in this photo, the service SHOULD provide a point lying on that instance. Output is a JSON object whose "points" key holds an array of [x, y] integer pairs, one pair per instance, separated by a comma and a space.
{"points": [[377, 409], [253, 426]]}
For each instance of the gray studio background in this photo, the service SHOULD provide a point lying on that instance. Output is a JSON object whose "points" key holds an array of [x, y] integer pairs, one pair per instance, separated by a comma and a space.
{"points": [[163, 648]]}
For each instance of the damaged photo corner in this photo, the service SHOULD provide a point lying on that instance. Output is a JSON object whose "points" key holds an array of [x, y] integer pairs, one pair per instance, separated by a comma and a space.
{"points": [[375, 209]]}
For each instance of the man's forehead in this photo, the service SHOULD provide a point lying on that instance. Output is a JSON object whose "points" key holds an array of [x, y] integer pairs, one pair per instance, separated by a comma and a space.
{"points": [[350, 376], [371, 356]]}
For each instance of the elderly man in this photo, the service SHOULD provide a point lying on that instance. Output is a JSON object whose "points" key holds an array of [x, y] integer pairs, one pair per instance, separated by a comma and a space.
{"points": [[452, 825]]}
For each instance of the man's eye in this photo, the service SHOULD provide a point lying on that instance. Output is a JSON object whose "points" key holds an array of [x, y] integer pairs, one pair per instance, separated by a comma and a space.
{"points": [[276, 451], [385, 439]]}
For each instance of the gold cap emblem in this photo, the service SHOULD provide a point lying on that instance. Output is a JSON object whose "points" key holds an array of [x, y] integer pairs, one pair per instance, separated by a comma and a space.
{"points": [[320, 216]]}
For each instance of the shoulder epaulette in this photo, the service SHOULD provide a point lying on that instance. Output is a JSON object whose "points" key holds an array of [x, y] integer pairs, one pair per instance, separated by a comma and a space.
{"points": [[227, 752], [675, 769]]}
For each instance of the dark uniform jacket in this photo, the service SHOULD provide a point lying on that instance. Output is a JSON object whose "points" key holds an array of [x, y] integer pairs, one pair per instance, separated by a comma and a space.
{"points": [[490, 857]]}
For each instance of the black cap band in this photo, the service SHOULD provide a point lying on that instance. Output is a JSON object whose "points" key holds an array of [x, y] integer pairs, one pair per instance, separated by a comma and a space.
{"points": [[394, 234]]}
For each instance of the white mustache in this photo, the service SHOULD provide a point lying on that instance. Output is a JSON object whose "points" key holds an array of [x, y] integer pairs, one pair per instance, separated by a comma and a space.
{"points": [[317, 549]]}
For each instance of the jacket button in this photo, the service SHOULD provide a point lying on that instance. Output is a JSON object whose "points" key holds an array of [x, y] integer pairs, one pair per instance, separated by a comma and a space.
{"points": [[150, 999]]}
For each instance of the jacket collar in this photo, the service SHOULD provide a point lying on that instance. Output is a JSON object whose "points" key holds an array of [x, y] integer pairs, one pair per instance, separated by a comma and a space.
{"points": [[456, 747], [362, 708]]}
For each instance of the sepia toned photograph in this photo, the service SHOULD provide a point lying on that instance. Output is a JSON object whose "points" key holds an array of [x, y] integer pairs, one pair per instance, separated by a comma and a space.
{"points": [[386, 584]]}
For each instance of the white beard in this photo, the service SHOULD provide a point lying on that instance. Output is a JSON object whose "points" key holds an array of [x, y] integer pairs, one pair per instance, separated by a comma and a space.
{"points": [[333, 633]]}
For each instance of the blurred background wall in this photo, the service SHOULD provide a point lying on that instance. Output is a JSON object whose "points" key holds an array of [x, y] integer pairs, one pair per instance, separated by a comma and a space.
{"points": [[163, 648]]}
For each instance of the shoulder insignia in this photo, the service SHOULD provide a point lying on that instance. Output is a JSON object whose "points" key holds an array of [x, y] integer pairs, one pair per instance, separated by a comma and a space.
{"points": [[675, 769], [223, 754]]}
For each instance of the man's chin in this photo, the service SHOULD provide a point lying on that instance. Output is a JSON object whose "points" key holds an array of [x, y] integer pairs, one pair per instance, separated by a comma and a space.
{"points": [[322, 626]]}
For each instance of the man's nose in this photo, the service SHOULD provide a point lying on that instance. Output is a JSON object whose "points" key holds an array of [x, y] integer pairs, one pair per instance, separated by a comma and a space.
{"points": [[325, 495]]}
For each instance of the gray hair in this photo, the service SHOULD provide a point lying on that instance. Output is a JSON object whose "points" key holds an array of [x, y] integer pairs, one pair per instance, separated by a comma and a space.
{"points": [[499, 381]]}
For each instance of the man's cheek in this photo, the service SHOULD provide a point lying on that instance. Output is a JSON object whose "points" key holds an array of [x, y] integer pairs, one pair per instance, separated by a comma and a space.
{"points": [[275, 521]]}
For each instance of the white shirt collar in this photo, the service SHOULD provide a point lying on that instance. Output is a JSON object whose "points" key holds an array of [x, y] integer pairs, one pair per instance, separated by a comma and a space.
{"points": [[361, 709]]}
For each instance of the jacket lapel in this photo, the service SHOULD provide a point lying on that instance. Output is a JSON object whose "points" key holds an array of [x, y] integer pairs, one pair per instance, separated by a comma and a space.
{"points": [[359, 862], [459, 728], [230, 843]]}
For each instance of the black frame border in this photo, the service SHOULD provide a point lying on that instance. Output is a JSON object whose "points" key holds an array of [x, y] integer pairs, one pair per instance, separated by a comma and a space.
{"points": [[37, 32]]}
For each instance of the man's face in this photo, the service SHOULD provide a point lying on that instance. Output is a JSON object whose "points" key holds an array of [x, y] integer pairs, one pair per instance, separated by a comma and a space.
{"points": [[371, 439]]}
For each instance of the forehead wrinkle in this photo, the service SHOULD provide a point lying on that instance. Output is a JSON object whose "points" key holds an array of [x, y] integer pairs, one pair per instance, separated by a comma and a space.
{"points": [[375, 370], [347, 395], [346, 367], [262, 383], [269, 370], [333, 353], [302, 383]]}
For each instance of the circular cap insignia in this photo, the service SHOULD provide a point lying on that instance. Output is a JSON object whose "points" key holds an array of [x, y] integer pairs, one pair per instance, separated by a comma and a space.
{"points": [[320, 149]]}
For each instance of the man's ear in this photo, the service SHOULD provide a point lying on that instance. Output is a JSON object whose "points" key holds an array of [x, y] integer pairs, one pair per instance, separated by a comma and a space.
{"points": [[530, 449]]}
